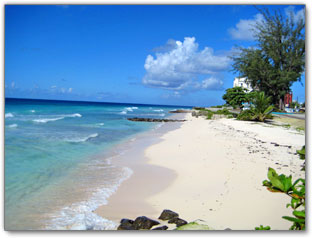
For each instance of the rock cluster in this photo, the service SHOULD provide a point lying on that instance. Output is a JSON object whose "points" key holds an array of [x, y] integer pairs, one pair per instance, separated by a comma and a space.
{"points": [[145, 223], [180, 111], [153, 120]]}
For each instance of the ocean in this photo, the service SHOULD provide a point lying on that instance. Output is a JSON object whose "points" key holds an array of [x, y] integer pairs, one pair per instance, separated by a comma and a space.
{"points": [[59, 160]]}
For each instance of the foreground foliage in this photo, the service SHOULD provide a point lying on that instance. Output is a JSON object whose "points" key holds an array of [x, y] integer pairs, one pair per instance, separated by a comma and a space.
{"points": [[295, 190]]}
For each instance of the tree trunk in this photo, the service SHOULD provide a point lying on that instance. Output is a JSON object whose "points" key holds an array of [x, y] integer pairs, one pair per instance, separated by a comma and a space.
{"points": [[281, 104]]}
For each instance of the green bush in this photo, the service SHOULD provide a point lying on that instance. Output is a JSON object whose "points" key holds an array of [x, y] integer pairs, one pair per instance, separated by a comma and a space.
{"points": [[246, 115], [209, 114]]}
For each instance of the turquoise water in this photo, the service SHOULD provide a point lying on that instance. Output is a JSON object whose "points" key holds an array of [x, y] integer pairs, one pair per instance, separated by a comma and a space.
{"points": [[53, 147]]}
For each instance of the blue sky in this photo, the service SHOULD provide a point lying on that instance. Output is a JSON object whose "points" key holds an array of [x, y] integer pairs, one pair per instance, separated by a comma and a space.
{"points": [[175, 55]]}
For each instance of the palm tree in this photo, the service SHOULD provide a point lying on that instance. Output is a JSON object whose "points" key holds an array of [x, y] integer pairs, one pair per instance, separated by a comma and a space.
{"points": [[261, 107]]}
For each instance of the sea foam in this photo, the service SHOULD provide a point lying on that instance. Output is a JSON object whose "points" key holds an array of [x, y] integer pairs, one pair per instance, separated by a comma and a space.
{"points": [[81, 216], [83, 139], [45, 120], [128, 109], [7, 115], [12, 126]]}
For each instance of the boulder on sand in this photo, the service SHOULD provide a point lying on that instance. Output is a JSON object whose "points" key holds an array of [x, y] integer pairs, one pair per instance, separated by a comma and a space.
{"points": [[144, 223], [167, 215]]}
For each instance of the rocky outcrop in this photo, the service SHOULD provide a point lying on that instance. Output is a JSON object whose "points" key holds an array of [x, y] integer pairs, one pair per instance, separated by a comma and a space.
{"points": [[180, 111], [126, 224], [161, 228], [144, 223], [177, 221], [167, 215], [154, 120]]}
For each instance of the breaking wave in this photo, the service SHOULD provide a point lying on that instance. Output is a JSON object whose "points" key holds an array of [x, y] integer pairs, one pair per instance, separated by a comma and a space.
{"points": [[81, 216], [45, 120], [7, 115], [83, 139]]}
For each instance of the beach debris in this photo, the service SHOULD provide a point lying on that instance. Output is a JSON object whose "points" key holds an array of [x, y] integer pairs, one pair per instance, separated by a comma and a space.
{"points": [[161, 228], [177, 221], [126, 224], [167, 215], [154, 119], [144, 222]]}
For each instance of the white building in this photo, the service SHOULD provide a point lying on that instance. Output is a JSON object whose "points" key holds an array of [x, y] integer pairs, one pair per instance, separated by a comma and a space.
{"points": [[242, 82]]}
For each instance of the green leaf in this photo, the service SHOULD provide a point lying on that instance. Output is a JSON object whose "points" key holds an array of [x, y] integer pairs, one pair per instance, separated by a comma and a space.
{"points": [[299, 214], [275, 180], [293, 219]]}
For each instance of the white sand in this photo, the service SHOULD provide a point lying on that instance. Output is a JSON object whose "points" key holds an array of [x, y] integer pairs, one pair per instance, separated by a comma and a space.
{"points": [[220, 166]]}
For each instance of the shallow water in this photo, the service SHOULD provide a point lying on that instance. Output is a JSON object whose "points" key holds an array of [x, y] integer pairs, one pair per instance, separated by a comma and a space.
{"points": [[58, 165]]}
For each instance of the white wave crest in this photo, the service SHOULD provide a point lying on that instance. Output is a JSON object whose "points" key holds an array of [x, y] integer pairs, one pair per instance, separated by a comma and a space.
{"points": [[12, 126], [128, 109], [77, 140], [32, 111], [45, 120], [158, 110], [81, 216], [101, 124], [74, 115], [7, 115]]}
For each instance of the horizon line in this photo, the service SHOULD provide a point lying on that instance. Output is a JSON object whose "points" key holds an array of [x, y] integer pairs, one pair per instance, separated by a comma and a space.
{"points": [[62, 100]]}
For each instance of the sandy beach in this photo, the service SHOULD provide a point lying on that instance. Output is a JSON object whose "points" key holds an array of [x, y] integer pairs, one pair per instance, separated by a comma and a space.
{"points": [[210, 170]]}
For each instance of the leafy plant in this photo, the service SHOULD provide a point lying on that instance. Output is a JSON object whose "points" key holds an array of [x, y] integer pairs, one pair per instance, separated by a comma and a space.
{"points": [[246, 115], [263, 228], [295, 190], [261, 108]]}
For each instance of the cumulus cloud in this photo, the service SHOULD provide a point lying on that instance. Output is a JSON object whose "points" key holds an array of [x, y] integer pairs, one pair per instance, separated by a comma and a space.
{"points": [[243, 30], [181, 67]]}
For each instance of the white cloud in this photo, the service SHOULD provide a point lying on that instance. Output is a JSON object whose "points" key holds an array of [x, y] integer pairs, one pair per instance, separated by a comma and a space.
{"points": [[212, 83], [70, 90], [54, 86], [13, 85], [300, 14], [244, 28], [180, 67]]}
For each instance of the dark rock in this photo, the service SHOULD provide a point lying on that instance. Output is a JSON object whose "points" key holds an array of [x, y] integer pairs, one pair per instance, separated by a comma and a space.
{"points": [[153, 119], [227, 229], [126, 224], [177, 221], [161, 228], [167, 215], [179, 111], [144, 222]]}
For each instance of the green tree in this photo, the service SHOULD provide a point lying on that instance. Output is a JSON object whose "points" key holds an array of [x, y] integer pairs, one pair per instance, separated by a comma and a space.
{"points": [[235, 96], [278, 59]]}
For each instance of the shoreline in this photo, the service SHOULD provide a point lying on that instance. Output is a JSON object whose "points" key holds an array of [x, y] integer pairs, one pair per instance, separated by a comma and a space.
{"points": [[218, 180], [144, 175]]}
